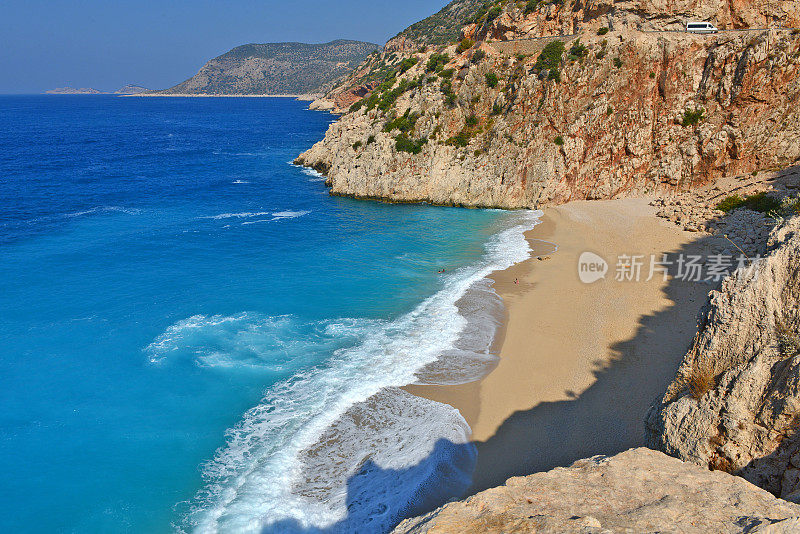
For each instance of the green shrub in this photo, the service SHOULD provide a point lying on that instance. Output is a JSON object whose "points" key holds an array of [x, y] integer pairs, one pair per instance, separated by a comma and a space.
{"points": [[355, 106], [491, 79], [477, 56], [447, 73], [407, 63], [692, 117], [480, 13], [578, 50], [386, 99], [496, 109], [554, 74], [464, 45], [471, 121], [404, 123], [436, 62], [550, 57], [493, 13], [531, 6], [602, 31], [757, 202], [652, 75], [370, 139], [617, 62], [461, 139], [447, 90], [610, 111], [730, 203], [404, 144], [357, 145], [559, 141]]}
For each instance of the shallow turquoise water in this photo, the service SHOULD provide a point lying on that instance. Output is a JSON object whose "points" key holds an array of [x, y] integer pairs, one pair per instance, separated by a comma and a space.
{"points": [[163, 270]]}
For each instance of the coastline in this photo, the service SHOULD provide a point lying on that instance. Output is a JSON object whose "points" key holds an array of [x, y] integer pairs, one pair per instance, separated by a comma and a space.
{"points": [[204, 95], [579, 363]]}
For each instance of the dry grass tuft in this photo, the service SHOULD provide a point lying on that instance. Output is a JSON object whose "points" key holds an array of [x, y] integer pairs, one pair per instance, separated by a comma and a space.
{"points": [[788, 340], [702, 376]]}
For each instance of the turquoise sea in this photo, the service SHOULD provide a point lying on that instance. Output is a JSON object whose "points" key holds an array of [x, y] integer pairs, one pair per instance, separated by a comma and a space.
{"points": [[195, 336]]}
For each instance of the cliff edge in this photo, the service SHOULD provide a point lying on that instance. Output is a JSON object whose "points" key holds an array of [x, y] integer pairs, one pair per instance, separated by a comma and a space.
{"points": [[610, 110]]}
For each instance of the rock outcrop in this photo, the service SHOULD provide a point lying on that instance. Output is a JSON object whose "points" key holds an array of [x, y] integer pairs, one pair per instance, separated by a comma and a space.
{"points": [[735, 404], [615, 114], [652, 15], [639, 490]]}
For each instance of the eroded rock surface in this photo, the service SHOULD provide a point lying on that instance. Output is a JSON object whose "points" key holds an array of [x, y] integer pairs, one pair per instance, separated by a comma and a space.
{"points": [[735, 402], [639, 490]]}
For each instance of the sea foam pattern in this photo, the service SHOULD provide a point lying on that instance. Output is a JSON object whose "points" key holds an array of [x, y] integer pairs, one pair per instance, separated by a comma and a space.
{"points": [[273, 215], [297, 459]]}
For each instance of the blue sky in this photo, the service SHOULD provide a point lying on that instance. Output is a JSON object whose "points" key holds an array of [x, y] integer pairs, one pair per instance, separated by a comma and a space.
{"points": [[106, 43]]}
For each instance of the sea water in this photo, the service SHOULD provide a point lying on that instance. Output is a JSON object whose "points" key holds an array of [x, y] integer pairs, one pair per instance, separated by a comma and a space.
{"points": [[195, 336]]}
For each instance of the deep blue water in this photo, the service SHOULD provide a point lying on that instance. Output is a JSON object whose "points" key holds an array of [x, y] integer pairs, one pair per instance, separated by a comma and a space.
{"points": [[172, 289]]}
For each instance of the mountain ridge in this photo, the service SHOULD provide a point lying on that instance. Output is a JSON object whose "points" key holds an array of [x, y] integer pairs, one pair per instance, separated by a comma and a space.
{"points": [[286, 68]]}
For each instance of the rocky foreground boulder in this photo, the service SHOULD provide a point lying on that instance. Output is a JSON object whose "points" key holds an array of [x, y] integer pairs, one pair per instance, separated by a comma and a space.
{"points": [[735, 403], [639, 490]]}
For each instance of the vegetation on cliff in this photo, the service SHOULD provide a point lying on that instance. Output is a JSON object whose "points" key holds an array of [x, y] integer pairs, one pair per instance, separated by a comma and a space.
{"points": [[443, 26]]}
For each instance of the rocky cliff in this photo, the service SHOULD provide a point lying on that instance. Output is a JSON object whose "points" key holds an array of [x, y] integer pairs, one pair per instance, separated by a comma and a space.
{"points": [[639, 490], [276, 69], [735, 404], [502, 123]]}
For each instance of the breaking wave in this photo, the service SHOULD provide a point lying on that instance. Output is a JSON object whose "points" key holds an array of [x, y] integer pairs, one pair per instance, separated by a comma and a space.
{"points": [[337, 446]]}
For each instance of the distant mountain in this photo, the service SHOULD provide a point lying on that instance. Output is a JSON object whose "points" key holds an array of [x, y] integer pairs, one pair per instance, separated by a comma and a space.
{"points": [[74, 91], [276, 69], [131, 89]]}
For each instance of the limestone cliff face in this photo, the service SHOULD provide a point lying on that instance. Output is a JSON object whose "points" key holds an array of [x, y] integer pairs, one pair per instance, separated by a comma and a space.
{"points": [[648, 15], [735, 403], [613, 125], [639, 490]]}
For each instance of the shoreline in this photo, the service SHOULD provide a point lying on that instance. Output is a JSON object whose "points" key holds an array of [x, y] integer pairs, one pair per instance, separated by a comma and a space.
{"points": [[579, 363], [205, 95]]}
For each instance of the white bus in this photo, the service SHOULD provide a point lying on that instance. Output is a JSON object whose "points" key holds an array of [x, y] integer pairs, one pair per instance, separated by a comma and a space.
{"points": [[701, 27]]}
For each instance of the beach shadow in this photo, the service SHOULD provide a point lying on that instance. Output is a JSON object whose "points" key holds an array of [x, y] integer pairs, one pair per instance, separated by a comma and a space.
{"points": [[609, 416], [550, 434], [605, 419], [371, 492]]}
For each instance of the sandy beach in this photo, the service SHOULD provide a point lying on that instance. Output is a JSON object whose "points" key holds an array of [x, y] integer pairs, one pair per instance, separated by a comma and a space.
{"points": [[579, 363]]}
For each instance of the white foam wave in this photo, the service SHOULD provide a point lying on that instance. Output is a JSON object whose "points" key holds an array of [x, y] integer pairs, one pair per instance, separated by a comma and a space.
{"points": [[315, 176], [242, 215], [290, 214], [240, 182], [104, 209], [311, 173], [250, 339], [274, 215], [260, 479]]}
